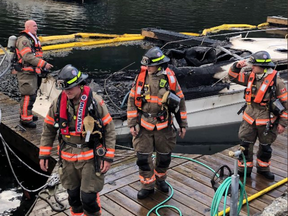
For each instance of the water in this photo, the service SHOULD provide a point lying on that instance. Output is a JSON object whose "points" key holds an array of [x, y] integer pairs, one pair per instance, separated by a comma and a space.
{"points": [[13, 199], [127, 16], [114, 17]]}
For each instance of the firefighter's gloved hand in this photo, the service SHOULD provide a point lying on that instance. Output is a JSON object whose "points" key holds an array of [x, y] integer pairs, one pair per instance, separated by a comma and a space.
{"points": [[44, 73], [48, 67]]}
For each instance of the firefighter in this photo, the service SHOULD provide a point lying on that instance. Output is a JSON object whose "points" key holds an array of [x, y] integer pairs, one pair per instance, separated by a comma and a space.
{"points": [[30, 64], [153, 101], [82, 162], [265, 114]]}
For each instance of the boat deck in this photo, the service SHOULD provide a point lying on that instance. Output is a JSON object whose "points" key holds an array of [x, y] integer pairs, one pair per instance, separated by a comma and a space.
{"points": [[193, 193]]}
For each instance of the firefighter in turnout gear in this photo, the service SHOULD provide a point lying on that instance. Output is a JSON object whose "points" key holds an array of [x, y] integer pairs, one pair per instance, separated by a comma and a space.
{"points": [[30, 65], [265, 114], [83, 159], [153, 101]]}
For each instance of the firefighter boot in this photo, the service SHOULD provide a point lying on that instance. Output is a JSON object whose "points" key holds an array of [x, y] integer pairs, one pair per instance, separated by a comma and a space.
{"points": [[35, 118], [163, 186], [28, 124], [144, 193], [241, 174], [267, 174], [92, 214]]}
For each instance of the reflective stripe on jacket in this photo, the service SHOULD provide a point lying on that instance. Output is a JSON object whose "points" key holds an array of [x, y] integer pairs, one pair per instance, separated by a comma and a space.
{"points": [[141, 81], [71, 153], [268, 81], [257, 109], [152, 113], [33, 48]]}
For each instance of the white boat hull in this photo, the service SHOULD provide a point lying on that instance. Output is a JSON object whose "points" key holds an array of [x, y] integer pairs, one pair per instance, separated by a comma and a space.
{"points": [[211, 120]]}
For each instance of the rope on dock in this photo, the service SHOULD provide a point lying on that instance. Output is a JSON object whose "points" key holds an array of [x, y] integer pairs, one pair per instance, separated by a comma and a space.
{"points": [[51, 178]]}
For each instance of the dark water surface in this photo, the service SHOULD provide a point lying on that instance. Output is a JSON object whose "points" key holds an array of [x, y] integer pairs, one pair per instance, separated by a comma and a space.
{"points": [[127, 16], [114, 17]]}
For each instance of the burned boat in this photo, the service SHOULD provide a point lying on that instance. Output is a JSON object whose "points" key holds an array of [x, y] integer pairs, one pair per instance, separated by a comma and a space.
{"points": [[212, 100]]}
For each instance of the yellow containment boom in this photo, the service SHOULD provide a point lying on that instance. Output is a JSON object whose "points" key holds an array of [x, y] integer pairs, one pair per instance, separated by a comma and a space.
{"points": [[227, 27], [44, 39], [111, 38], [93, 42]]}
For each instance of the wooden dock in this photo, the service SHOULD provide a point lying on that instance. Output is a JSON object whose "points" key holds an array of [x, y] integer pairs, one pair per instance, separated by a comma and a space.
{"points": [[277, 20], [193, 193]]}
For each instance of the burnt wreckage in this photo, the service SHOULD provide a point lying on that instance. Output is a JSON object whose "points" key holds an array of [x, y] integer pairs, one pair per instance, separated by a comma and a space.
{"points": [[194, 67]]}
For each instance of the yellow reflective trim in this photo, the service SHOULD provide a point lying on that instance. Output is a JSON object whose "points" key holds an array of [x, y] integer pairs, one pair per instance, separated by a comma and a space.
{"points": [[158, 59], [75, 78], [263, 60]]}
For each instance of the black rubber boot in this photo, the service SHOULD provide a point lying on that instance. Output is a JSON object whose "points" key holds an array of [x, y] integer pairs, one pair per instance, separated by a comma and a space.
{"points": [[144, 193], [35, 118], [241, 174], [163, 186], [267, 174], [28, 124]]}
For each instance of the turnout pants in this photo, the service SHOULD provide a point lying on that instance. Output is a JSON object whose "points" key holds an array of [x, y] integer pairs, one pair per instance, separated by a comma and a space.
{"points": [[248, 135], [163, 142], [28, 86], [83, 187]]}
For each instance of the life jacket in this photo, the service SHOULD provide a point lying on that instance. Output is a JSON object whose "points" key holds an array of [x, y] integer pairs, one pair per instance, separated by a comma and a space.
{"points": [[268, 81], [83, 110], [141, 81], [35, 48]]}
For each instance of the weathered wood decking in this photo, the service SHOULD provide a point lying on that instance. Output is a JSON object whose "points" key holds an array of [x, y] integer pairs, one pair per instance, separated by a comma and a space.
{"points": [[277, 20], [193, 193]]}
